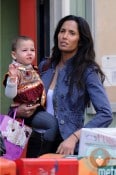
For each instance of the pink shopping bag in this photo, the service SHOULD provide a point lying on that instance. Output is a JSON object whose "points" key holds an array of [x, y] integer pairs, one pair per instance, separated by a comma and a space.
{"points": [[15, 135]]}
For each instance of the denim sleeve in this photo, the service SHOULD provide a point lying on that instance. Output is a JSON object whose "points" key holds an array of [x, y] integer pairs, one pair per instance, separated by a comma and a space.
{"points": [[40, 66], [99, 99]]}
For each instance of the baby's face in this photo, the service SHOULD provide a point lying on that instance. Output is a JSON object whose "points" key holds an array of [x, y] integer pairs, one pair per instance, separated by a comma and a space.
{"points": [[25, 52]]}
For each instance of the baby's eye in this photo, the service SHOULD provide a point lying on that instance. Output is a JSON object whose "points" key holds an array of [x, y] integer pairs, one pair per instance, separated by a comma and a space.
{"points": [[24, 50], [32, 50]]}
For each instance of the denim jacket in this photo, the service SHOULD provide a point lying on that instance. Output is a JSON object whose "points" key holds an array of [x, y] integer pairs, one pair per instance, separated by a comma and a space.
{"points": [[70, 108]]}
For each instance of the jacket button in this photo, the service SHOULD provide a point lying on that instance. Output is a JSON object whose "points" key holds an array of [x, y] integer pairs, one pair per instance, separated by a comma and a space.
{"points": [[62, 96], [62, 122]]}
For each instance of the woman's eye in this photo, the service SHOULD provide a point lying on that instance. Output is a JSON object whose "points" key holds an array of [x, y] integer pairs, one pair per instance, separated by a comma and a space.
{"points": [[61, 31], [72, 33]]}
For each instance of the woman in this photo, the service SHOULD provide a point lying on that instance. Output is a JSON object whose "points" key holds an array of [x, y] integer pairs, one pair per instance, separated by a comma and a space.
{"points": [[72, 79]]}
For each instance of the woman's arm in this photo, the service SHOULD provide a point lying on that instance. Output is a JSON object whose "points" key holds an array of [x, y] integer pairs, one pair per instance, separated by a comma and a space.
{"points": [[99, 99], [67, 146], [27, 111], [102, 118]]}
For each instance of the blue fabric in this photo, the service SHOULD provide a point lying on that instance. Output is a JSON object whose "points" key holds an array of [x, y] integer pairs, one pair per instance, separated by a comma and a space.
{"points": [[70, 109], [47, 122], [41, 122]]}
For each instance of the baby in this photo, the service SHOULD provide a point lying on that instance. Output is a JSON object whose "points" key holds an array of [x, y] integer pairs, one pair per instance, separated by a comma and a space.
{"points": [[24, 85]]}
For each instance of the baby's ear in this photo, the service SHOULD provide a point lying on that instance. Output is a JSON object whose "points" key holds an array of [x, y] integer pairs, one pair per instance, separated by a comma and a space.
{"points": [[13, 55]]}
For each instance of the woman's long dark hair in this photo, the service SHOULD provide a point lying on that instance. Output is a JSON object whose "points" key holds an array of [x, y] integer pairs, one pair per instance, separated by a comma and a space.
{"points": [[85, 55]]}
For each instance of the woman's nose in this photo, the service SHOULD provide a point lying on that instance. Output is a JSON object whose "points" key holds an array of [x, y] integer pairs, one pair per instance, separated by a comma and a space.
{"points": [[65, 35]]}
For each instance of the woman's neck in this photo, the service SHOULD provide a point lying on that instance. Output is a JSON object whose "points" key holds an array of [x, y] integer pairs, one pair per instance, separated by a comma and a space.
{"points": [[63, 60], [62, 63], [66, 56]]}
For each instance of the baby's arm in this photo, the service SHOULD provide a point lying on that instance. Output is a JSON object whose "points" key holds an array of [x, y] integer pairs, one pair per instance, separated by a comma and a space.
{"points": [[11, 87]]}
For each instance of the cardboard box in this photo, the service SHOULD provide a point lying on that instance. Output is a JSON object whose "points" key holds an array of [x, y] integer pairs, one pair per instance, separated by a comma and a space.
{"points": [[47, 166], [93, 138], [7, 167]]}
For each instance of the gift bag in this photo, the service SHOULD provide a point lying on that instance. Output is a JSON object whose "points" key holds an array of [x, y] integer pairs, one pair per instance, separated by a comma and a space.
{"points": [[15, 135]]}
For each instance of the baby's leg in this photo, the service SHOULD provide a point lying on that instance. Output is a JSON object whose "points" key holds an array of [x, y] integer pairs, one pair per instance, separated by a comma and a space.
{"points": [[44, 120]]}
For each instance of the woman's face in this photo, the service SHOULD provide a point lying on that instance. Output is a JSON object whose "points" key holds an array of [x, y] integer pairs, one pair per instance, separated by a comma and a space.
{"points": [[68, 37]]}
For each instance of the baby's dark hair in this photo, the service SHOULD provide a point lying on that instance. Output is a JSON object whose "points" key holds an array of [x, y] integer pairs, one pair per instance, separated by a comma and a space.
{"points": [[17, 39]]}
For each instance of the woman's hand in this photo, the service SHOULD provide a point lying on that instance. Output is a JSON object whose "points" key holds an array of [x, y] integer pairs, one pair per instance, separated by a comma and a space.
{"points": [[26, 111], [67, 147]]}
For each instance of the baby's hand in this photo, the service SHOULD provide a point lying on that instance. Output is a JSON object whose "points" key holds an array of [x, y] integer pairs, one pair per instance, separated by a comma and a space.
{"points": [[13, 70]]}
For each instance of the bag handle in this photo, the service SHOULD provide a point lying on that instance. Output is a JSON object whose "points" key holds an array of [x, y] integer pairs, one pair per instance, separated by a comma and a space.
{"points": [[14, 116]]}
